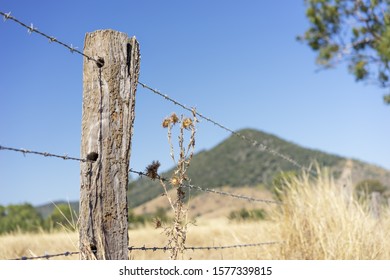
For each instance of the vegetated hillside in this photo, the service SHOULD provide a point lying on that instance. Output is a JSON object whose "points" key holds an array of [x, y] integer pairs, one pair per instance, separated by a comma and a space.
{"points": [[237, 163], [46, 209]]}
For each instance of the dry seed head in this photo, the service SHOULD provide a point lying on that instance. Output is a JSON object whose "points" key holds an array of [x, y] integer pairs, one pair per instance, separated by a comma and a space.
{"points": [[175, 181], [174, 118], [166, 122], [187, 123], [152, 169]]}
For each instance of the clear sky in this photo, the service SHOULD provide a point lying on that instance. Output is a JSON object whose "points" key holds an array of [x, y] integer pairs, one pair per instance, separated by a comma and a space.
{"points": [[237, 62]]}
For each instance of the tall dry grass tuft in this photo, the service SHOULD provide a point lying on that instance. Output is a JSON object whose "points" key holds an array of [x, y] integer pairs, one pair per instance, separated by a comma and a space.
{"points": [[320, 219]]}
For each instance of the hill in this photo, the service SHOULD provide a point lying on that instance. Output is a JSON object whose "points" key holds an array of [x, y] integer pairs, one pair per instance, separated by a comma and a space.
{"points": [[236, 163], [46, 209]]}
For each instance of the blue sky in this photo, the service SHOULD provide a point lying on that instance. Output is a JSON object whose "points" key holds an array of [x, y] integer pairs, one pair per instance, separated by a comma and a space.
{"points": [[236, 61]]}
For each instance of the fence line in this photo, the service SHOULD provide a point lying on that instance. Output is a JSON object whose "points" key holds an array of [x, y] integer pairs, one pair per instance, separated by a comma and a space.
{"points": [[250, 199], [189, 186], [154, 249], [46, 256], [45, 154], [144, 248], [253, 142], [197, 188]]}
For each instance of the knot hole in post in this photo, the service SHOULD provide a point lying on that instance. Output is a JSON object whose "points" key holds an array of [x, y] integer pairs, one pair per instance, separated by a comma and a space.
{"points": [[92, 156], [100, 62]]}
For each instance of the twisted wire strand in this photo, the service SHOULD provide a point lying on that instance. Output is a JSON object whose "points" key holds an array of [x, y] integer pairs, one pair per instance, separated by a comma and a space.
{"points": [[66, 157], [238, 196], [156, 248], [52, 39], [46, 256], [45, 154]]}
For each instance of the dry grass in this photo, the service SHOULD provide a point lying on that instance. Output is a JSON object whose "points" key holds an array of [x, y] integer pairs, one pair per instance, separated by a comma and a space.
{"points": [[207, 233], [37, 244], [323, 220], [319, 219]]}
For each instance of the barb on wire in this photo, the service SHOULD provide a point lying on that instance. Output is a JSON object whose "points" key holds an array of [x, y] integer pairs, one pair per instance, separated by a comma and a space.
{"points": [[254, 143], [32, 29], [45, 154], [197, 188], [46, 256]]}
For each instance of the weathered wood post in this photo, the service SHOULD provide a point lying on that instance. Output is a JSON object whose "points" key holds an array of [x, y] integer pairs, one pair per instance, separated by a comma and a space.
{"points": [[109, 87]]}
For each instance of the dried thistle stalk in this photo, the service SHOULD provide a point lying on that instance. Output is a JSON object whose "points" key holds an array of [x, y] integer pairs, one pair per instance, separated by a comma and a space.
{"points": [[177, 232]]}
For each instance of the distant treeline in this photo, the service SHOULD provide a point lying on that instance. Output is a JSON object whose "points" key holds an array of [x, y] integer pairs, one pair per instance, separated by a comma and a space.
{"points": [[26, 218]]}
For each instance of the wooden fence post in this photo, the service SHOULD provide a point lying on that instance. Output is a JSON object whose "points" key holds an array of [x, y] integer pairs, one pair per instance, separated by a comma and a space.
{"points": [[109, 87]]}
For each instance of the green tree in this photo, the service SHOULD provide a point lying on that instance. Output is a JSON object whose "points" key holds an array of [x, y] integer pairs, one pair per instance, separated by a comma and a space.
{"points": [[353, 31], [22, 217]]}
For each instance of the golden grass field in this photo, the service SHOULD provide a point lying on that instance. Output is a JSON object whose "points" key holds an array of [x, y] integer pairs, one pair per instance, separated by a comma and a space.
{"points": [[319, 219]]}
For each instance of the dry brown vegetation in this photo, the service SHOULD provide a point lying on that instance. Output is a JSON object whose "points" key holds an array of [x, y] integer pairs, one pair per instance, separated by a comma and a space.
{"points": [[319, 219]]}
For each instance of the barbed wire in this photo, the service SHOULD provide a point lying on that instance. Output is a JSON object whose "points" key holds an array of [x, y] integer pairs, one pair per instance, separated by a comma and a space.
{"points": [[253, 142], [156, 248], [32, 29], [142, 174], [46, 256], [194, 248], [197, 188], [45, 154], [243, 197]]}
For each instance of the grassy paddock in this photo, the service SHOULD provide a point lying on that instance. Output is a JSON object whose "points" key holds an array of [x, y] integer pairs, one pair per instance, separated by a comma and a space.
{"points": [[318, 219]]}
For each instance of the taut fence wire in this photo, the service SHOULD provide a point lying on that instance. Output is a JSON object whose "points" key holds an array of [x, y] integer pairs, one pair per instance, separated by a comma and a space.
{"points": [[143, 174], [45, 154], [197, 188], [31, 29], [144, 248], [157, 248]]}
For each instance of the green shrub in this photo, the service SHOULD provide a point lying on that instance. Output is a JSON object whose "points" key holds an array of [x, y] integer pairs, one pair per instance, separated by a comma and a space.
{"points": [[247, 215]]}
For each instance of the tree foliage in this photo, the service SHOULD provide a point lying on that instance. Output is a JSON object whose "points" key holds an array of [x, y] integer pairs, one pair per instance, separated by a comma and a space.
{"points": [[353, 31], [22, 217]]}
